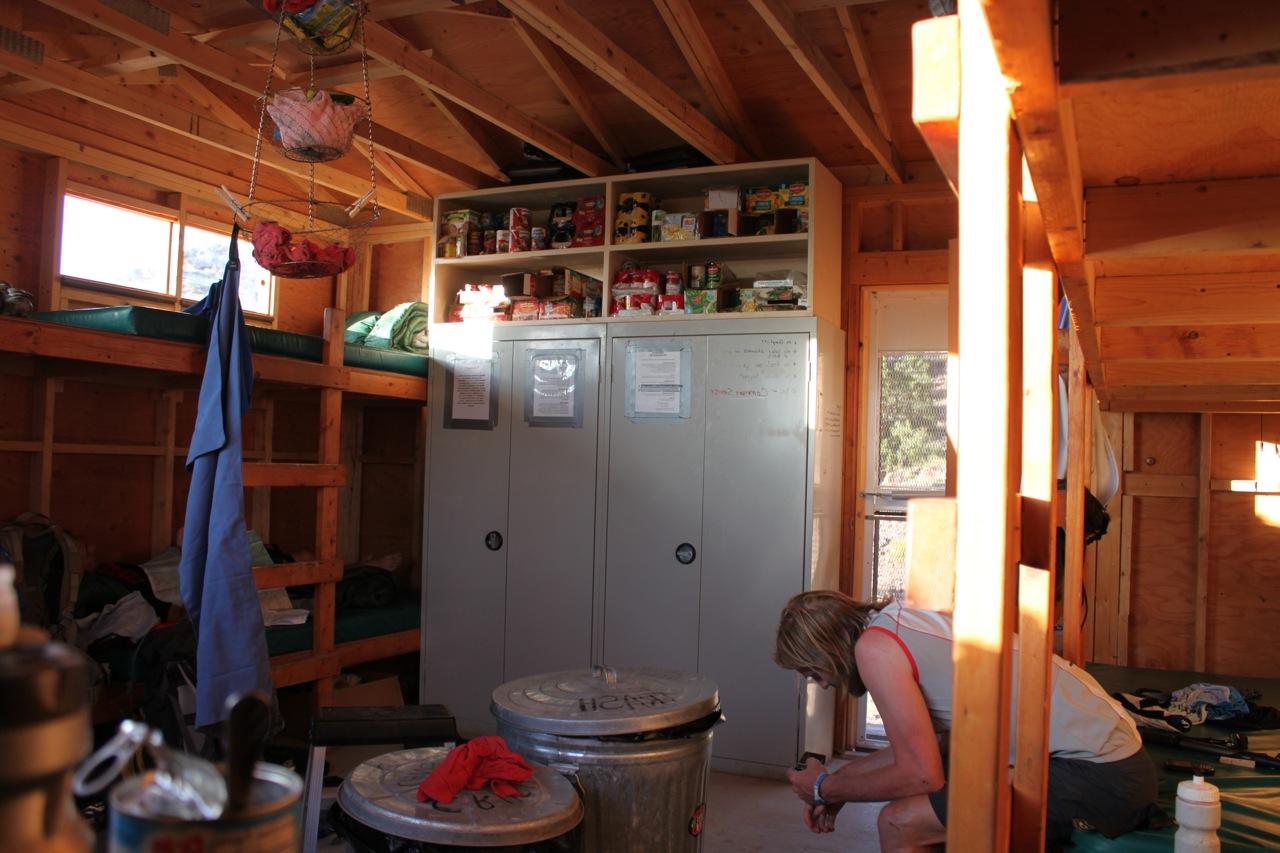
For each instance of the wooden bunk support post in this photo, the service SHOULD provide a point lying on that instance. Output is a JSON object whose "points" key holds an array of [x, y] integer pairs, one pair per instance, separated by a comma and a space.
{"points": [[987, 547], [1079, 425], [327, 500]]}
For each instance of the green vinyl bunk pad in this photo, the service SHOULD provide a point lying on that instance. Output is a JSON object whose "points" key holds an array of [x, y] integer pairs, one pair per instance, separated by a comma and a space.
{"points": [[188, 328], [1250, 798]]}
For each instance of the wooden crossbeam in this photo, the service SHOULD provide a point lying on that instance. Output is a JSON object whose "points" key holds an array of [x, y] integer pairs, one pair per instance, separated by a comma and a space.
{"points": [[1207, 217], [563, 25], [818, 68], [391, 49], [299, 474], [1117, 46], [1194, 373], [700, 54], [1022, 32], [245, 77], [935, 107], [562, 74], [1200, 300], [1240, 342], [860, 53], [282, 575]]}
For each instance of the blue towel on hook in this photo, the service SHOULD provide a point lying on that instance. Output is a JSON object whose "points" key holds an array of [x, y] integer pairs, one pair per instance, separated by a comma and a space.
{"points": [[215, 574]]}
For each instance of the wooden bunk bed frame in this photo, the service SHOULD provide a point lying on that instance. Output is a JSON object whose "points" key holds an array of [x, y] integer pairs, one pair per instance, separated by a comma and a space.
{"points": [[1173, 307], [70, 351]]}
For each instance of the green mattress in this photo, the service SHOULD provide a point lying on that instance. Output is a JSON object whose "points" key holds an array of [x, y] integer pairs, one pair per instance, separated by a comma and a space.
{"points": [[349, 624], [1250, 799], [187, 328]]}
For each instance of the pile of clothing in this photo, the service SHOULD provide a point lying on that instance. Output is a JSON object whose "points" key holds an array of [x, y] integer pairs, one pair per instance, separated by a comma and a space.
{"points": [[1198, 703], [273, 248]]}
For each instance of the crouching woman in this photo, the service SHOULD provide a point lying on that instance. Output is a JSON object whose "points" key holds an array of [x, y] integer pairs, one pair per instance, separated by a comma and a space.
{"points": [[1098, 772]]}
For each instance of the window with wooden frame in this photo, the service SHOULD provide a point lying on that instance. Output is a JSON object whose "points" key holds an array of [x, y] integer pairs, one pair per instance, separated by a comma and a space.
{"points": [[135, 252]]}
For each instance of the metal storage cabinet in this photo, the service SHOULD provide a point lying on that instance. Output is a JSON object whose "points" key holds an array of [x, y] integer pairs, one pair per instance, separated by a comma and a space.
{"points": [[497, 609], [736, 481]]}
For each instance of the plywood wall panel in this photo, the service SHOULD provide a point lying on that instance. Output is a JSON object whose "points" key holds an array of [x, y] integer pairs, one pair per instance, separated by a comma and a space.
{"points": [[1235, 440], [300, 304], [1161, 629], [387, 513], [931, 226], [105, 414], [15, 412], [293, 521], [396, 275], [15, 484], [22, 176], [297, 426], [1244, 585], [106, 502], [877, 228], [390, 431], [1167, 444]]}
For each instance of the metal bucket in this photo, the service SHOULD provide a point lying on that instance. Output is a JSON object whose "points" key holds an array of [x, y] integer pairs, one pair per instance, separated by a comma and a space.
{"points": [[378, 811], [631, 742], [273, 823]]}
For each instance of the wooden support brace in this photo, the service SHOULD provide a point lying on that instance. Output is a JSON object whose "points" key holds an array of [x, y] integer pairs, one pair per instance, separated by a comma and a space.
{"points": [[1078, 424], [1203, 517]]}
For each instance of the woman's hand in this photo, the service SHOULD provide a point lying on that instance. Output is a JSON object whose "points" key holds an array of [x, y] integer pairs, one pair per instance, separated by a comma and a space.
{"points": [[802, 781]]}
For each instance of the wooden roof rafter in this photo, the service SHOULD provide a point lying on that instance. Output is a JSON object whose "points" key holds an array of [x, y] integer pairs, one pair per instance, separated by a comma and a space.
{"points": [[860, 53], [235, 73], [784, 24], [566, 27]]}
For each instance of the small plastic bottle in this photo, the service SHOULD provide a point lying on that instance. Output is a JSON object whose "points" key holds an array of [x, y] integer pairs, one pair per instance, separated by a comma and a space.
{"points": [[9, 618], [1199, 815]]}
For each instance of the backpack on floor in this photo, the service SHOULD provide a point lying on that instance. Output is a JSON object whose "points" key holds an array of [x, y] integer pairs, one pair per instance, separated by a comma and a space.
{"points": [[47, 562]]}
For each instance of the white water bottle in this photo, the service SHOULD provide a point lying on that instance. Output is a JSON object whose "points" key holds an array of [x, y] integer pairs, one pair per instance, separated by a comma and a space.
{"points": [[1199, 814]]}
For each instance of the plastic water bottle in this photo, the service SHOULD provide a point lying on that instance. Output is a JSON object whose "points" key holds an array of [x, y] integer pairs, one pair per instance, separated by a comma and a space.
{"points": [[1199, 815]]}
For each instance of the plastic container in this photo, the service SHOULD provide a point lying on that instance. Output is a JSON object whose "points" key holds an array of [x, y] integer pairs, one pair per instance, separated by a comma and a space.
{"points": [[636, 742], [9, 618], [1199, 814]]}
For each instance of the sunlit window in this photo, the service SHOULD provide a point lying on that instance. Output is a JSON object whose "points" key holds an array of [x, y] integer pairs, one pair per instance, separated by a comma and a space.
{"points": [[119, 246], [116, 245], [204, 256]]}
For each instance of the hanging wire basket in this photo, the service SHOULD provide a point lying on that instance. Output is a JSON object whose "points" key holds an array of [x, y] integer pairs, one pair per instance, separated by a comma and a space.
{"points": [[320, 27], [318, 251], [315, 126]]}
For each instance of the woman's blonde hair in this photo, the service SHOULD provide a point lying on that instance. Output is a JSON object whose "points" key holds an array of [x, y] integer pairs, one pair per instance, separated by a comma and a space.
{"points": [[817, 631]]}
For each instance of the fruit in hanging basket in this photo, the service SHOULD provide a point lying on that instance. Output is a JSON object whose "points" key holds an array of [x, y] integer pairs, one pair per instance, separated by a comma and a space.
{"points": [[274, 248], [315, 126]]}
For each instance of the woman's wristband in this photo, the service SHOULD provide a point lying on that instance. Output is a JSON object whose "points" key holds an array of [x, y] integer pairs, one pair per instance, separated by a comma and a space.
{"points": [[817, 789]]}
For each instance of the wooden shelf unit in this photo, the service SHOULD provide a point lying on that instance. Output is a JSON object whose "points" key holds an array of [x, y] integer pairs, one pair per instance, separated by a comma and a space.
{"points": [[674, 191]]}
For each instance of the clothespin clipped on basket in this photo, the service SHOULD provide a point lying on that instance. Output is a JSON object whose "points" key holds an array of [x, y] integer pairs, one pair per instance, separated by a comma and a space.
{"points": [[359, 203], [236, 207]]}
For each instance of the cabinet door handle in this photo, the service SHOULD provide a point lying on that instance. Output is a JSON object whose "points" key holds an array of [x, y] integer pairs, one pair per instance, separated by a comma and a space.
{"points": [[493, 540], [686, 553]]}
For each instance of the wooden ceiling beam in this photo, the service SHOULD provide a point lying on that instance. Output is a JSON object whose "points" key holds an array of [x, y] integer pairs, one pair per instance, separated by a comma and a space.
{"points": [[391, 49], [1223, 374], [563, 25], [1207, 217], [699, 53], [346, 74], [561, 73], [799, 6], [820, 71], [1195, 300], [1022, 32], [935, 107], [1243, 342], [240, 75], [860, 52], [153, 111], [1123, 403], [1115, 46]]}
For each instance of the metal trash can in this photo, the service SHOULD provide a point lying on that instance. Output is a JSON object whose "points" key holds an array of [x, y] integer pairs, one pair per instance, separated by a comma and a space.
{"points": [[378, 810], [637, 742]]}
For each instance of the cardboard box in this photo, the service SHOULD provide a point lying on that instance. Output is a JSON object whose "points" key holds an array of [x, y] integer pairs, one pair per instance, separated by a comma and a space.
{"points": [[702, 301], [679, 226], [721, 198], [760, 200]]}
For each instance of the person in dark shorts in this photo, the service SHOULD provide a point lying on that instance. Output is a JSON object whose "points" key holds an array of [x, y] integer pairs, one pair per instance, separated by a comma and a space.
{"points": [[1098, 772]]}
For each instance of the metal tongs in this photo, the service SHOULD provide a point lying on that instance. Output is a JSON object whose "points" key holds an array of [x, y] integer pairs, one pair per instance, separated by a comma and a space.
{"points": [[184, 786]]}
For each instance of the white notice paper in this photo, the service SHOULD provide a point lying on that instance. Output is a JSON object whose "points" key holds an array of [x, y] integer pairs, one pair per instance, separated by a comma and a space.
{"points": [[657, 381], [554, 387], [471, 391]]}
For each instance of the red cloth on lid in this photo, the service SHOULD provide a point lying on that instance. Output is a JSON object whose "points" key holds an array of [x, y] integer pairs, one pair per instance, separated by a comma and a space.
{"points": [[483, 761]]}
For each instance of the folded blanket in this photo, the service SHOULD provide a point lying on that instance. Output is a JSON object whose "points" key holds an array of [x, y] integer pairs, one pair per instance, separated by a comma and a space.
{"points": [[404, 327]]}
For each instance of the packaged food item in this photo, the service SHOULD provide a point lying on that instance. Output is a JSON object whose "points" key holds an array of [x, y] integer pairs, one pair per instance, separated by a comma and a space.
{"points": [[520, 240], [714, 275], [802, 221], [634, 304], [788, 288], [655, 225], [538, 238], [588, 221], [529, 283], [502, 241], [670, 303], [679, 226], [760, 200], [794, 195], [591, 306], [561, 308], [489, 244], [480, 302], [560, 225], [526, 308], [697, 276], [569, 282], [518, 217], [489, 221], [672, 282], [706, 301], [455, 233], [721, 198]]}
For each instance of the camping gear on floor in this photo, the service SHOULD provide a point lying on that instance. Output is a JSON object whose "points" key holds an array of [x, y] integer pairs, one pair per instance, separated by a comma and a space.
{"points": [[44, 732], [379, 810], [637, 742]]}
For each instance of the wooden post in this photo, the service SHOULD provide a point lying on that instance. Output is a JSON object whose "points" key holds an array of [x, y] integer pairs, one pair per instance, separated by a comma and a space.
{"points": [[49, 287], [262, 496], [1202, 539], [42, 409], [1035, 588], [953, 362], [327, 500], [162, 479], [1078, 421], [1126, 546], [990, 376]]}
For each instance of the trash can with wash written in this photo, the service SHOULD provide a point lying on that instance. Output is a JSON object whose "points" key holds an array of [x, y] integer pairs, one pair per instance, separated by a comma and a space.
{"points": [[636, 741], [378, 811]]}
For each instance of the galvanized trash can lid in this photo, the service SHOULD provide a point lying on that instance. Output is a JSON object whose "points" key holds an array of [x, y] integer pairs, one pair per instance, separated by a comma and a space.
{"points": [[605, 701], [382, 794]]}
